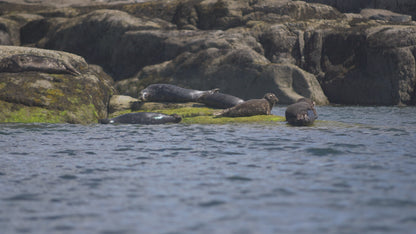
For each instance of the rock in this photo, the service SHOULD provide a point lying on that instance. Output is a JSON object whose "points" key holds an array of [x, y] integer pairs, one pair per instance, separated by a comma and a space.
{"points": [[379, 14], [244, 47], [243, 73], [99, 37], [9, 32], [291, 83], [399, 6], [45, 96], [367, 66], [121, 103]]}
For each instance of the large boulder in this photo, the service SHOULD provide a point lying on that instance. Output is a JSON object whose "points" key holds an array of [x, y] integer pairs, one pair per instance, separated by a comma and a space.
{"points": [[98, 37], [364, 65], [241, 72], [400, 6], [38, 85]]}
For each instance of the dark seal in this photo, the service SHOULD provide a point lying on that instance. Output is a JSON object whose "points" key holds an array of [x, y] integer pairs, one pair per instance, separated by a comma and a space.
{"points": [[301, 113], [171, 93], [252, 107], [220, 100], [27, 62], [143, 118]]}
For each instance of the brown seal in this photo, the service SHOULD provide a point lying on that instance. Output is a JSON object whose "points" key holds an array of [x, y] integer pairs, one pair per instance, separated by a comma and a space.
{"points": [[252, 107]]}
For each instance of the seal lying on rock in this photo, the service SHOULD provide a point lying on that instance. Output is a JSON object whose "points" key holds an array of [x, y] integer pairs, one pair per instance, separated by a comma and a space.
{"points": [[220, 100], [301, 113], [28, 62], [171, 93], [143, 118], [252, 107]]}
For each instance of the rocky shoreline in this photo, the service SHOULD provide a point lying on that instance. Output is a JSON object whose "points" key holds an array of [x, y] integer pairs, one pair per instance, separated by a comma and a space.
{"points": [[329, 53]]}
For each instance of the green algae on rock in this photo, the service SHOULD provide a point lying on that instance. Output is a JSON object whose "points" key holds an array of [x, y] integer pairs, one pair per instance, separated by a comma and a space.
{"points": [[204, 115], [47, 97]]}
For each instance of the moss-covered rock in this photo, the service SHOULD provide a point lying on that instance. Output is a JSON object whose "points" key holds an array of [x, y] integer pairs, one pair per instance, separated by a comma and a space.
{"points": [[204, 115], [42, 95]]}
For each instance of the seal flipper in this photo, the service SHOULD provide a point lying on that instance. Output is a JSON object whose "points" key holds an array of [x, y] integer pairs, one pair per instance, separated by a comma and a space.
{"points": [[71, 70]]}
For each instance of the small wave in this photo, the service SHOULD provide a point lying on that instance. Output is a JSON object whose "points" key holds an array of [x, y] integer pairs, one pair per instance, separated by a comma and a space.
{"points": [[238, 178], [68, 152], [68, 177], [283, 192], [324, 151], [24, 197], [211, 203], [391, 202]]}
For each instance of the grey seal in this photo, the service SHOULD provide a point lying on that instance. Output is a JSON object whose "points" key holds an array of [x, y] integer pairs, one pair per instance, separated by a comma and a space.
{"points": [[220, 100], [143, 118], [171, 93], [252, 107], [301, 113], [27, 62]]}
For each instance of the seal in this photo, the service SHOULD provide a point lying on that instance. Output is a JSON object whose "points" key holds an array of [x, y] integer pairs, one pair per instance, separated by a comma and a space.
{"points": [[252, 107], [171, 93], [220, 100], [143, 118], [27, 62], [301, 113]]}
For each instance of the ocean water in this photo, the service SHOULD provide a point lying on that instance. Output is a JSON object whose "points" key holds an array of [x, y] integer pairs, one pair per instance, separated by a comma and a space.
{"points": [[354, 171]]}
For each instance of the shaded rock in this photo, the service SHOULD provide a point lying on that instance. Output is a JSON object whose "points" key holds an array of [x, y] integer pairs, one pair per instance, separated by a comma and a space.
{"points": [[148, 47], [46, 96], [34, 31], [400, 6], [97, 36], [368, 66], [379, 14], [9, 32]]}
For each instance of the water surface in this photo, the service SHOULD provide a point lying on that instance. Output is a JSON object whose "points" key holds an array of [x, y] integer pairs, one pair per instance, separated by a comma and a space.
{"points": [[352, 172]]}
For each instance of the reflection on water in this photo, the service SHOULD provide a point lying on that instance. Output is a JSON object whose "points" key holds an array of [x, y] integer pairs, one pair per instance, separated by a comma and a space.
{"points": [[352, 172]]}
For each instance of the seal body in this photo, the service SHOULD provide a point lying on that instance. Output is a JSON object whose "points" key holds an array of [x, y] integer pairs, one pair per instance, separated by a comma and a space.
{"points": [[143, 118], [26, 62], [171, 93], [220, 100], [252, 107], [301, 113]]}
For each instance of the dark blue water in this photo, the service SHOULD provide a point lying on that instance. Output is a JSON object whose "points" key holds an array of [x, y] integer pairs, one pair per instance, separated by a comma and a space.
{"points": [[354, 171]]}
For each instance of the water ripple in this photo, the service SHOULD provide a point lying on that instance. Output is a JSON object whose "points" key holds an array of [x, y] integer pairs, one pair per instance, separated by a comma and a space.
{"points": [[230, 178]]}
